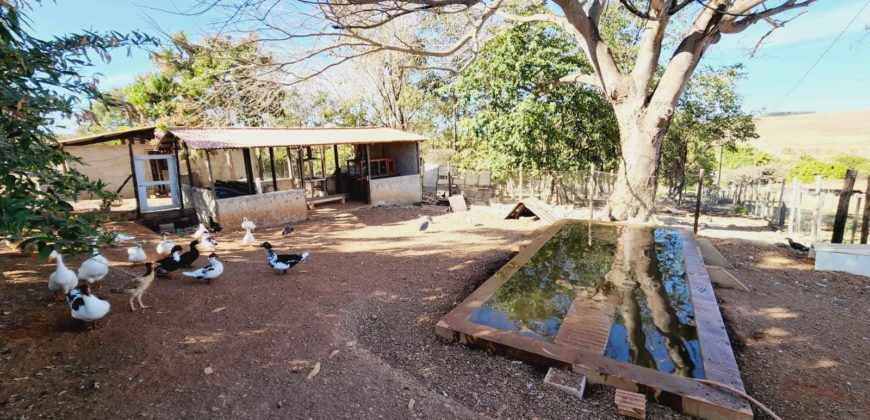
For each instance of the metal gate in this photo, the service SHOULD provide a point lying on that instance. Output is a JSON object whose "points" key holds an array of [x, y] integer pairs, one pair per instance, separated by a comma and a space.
{"points": [[152, 185]]}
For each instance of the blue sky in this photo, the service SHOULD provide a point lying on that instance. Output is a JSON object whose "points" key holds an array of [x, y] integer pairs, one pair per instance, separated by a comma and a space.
{"points": [[840, 82]]}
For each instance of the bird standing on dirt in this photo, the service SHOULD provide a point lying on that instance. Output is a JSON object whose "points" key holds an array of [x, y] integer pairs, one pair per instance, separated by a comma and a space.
{"points": [[215, 227], [283, 262], [200, 230], [209, 272], [209, 244], [425, 224], [137, 287], [188, 258], [86, 307], [287, 230], [135, 254], [797, 246], [170, 263], [248, 239], [63, 280], [165, 246], [95, 268], [248, 224]]}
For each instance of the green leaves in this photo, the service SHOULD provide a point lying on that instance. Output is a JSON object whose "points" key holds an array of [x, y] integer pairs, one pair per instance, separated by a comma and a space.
{"points": [[40, 81], [518, 111]]}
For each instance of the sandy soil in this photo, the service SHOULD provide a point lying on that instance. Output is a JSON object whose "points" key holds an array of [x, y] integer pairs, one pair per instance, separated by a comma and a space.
{"points": [[363, 310]]}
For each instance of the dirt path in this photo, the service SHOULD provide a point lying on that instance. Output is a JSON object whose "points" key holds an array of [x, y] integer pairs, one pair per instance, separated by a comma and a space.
{"points": [[363, 307]]}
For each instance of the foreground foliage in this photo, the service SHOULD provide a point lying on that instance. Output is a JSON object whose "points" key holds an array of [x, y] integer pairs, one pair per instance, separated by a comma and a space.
{"points": [[40, 83]]}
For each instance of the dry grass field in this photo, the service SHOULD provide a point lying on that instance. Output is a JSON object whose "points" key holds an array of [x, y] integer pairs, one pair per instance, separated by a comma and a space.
{"points": [[821, 135]]}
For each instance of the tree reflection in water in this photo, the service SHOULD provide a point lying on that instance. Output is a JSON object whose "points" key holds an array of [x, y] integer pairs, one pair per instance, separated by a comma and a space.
{"points": [[639, 270]]}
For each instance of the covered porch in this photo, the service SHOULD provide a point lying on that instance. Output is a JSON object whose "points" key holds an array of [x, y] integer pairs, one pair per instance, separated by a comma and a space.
{"points": [[276, 176]]}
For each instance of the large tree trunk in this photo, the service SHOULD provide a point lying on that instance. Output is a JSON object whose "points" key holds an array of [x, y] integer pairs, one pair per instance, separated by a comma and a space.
{"points": [[633, 197]]}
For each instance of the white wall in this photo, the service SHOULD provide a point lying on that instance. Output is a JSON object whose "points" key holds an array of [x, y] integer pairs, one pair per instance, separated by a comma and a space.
{"points": [[396, 190]]}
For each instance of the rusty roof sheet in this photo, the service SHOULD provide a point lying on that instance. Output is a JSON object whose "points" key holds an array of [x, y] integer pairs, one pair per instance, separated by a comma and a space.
{"points": [[243, 138]]}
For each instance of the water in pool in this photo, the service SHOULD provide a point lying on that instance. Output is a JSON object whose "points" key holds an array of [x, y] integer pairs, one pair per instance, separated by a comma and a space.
{"points": [[639, 271]]}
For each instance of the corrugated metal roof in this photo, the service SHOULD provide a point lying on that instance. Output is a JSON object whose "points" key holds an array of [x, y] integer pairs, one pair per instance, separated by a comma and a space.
{"points": [[141, 133], [242, 138]]}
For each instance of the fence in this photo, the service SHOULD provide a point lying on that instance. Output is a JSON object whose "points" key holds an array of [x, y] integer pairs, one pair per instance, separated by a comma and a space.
{"points": [[806, 210]]}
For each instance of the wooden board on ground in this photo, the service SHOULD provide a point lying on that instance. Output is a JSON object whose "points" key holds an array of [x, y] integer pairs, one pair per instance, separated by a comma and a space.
{"points": [[711, 255], [630, 404], [535, 207], [457, 203], [723, 278]]}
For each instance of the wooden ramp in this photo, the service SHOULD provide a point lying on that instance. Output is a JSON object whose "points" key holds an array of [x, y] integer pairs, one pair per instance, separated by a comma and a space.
{"points": [[586, 325], [533, 206]]}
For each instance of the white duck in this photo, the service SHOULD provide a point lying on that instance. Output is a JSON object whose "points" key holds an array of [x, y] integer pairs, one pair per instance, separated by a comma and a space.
{"points": [[249, 238], [136, 255], [165, 245], [201, 230], [248, 224], [86, 307], [121, 237], [63, 279], [208, 243], [209, 272], [95, 268]]}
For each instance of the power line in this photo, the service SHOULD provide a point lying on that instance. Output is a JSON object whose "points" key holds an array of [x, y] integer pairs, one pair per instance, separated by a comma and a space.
{"points": [[819, 60]]}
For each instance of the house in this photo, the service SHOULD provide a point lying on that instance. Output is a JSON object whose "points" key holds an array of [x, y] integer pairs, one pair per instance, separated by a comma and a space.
{"points": [[271, 175]]}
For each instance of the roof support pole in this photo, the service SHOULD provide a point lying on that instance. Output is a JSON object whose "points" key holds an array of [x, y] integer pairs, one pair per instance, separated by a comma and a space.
{"points": [[301, 169], [368, 174], [211, 183], [135, 182], [187, 161], [290, 166], [335, 155], [417, 151], [323, 168], [272, 163], [249, 170], [178, 174]]}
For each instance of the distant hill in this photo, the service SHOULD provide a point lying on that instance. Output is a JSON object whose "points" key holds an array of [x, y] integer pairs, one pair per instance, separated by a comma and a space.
{"points": [[822, 135]]}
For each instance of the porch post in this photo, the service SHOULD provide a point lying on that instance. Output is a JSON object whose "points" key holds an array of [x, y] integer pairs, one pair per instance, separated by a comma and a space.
{"points": [[417, 163], [135, 182], [249, 170], [290, 167], [335, 155], [368, 175], [211, 183], [187, 161], [301, 168], [178, 174], [272, 162]]}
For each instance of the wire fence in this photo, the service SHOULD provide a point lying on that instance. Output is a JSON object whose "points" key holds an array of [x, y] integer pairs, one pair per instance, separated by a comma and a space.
{"points": [[803, 210]]}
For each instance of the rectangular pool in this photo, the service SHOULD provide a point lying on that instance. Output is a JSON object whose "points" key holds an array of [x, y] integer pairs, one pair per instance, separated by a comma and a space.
{"points": [[627, 305]]}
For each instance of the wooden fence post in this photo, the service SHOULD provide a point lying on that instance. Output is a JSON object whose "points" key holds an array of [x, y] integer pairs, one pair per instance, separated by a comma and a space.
{"points": [[857, 218], [792, 216], [865, 219], [698, 199], [817, 211], [782, 204], [843, 206]]}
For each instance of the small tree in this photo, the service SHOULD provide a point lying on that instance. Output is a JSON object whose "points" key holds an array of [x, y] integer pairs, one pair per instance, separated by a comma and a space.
{"points": [[40, 83]]}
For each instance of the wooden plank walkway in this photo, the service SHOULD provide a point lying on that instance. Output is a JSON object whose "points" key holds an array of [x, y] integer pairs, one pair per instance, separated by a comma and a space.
{"points": [[587, 325]]}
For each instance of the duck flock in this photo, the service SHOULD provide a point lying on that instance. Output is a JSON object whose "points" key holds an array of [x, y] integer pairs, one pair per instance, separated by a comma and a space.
{"points": [[75, 286]]}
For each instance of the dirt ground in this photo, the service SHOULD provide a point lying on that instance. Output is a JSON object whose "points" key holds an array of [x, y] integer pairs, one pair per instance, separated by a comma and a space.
{"points": [[363, 309]]}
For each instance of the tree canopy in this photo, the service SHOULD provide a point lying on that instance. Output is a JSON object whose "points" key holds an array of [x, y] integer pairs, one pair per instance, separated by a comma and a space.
{"points": [[40, 84]]}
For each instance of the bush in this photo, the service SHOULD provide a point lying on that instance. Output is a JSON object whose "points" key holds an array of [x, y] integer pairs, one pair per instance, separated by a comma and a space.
{"points": [[746, 155], [807, 168], [862, 164]]}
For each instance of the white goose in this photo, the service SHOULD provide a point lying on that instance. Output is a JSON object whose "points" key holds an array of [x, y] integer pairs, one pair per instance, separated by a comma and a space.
{"points": [[201, 230], [63, 279], [248, 224], [135, 254], [86, 307], [249, 238], [165, 245], [95, 268]]}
